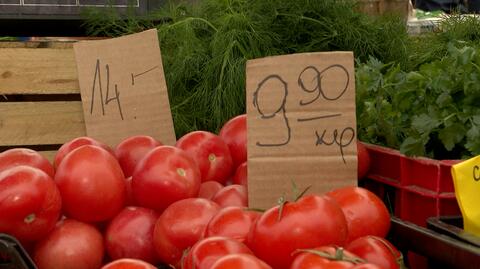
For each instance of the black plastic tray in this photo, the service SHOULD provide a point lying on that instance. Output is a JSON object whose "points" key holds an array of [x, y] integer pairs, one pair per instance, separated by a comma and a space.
{"points": [[13, 255]]}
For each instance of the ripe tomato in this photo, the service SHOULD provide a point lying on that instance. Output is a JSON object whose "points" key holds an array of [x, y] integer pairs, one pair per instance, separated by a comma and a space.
{"points": [[233, 195], [310, 222], [233, 222], [180, 226], [207, 251], [327, 258], [131, 150], [128, 264], [366, 214], [130, 234], [71, 245], [92, 184], [130, 201], [210, 153], [234, 133], [76, 143], [240, 176], [166, 175], [21, 156], [240, 261], [208, 189], [376, 250], [30, 203], [363, 158]]}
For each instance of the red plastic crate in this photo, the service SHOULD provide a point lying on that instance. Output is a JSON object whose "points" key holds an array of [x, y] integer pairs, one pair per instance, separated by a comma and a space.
{"points": [[413, 188]]}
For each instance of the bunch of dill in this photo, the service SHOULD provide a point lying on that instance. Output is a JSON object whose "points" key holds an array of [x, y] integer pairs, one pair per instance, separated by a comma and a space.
{"points": [[206, 44]]}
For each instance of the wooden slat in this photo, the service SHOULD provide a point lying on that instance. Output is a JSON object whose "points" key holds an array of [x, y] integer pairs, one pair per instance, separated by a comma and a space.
{"points": [[38, 71], [40, 123], [49, 154]]}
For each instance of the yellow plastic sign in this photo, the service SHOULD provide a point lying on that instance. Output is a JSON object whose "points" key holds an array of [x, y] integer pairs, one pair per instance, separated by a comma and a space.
{"points": [[466, 179]]}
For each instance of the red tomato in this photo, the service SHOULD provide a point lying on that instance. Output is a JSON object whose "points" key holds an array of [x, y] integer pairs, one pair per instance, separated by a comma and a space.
{"points": [[131, 150], [130, 200], [180, 226], [92, 184], [207, 251], [21, 156], [376, 250], [166, 175], [30, 203], [233, 195], [128, 264], [130, 234], [363, 160], [208, 189], [328, 258], [311, 221], [233, 222], [240, 261], [240, 176], [71, 245], [366, 214], [234, 133], [210, 153], [76, 143]]}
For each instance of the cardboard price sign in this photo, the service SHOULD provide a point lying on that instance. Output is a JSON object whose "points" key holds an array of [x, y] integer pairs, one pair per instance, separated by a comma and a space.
{"points": [[301, 124], [123, 88], [466, 179]]}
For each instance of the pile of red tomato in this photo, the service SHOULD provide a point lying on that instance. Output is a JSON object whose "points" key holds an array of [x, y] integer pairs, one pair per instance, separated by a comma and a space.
{"points": [[185, 206]]}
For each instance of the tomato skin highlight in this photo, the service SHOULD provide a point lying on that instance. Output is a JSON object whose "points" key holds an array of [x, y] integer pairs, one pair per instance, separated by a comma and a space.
{"points": [[71, 245], [68, 147], [208, 189], [311, 221], [234, 133], [376, 250], [207, 251], [240, 176], [130, 235], [180, 226], [22, 156], [232, 195], [366, 214], [128, 264], [30, 203], [240, 261], [89, 178], [165, 175], [211, 154], [131, 150], [233, 222]]}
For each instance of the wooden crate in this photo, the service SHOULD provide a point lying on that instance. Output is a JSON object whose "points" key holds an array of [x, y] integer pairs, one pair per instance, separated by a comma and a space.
{"points": [[40, 104]]}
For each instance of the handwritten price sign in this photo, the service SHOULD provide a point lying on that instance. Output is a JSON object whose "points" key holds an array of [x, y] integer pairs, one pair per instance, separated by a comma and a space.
{"points": [[123, 88], [301, 124]]}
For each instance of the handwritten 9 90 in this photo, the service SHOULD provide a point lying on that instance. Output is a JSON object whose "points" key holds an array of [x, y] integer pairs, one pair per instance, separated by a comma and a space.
{"points": [[317, 91]]}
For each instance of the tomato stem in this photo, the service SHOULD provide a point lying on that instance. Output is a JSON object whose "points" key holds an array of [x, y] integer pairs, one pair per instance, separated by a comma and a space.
{"points": [[30, 218], [282, 201], [339, 255]]}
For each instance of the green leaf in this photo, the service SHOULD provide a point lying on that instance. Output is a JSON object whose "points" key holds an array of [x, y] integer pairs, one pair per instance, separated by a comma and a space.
{"points": [[413, 146], [476, 119], [444, 99], [473, 140], [452, 135], [424, 123]]}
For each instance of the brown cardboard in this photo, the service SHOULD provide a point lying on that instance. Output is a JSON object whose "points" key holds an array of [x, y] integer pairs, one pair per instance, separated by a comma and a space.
{"points": [[132, 67], [280, 151]]}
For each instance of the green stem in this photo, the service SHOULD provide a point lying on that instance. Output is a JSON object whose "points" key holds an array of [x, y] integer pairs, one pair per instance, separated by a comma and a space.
{"points": [[192, 19]]}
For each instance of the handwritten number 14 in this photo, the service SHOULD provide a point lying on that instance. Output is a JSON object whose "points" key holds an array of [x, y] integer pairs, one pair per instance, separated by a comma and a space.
{"points": [[97, 80]]}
